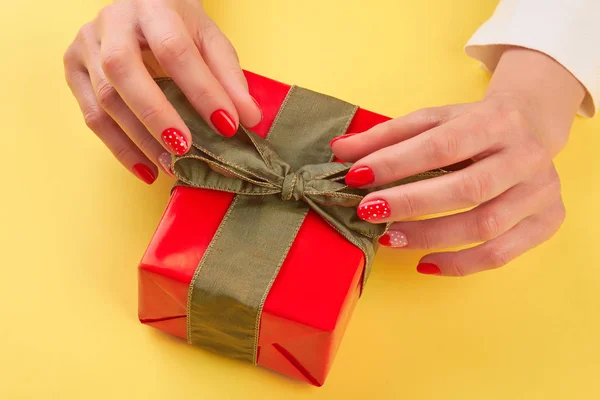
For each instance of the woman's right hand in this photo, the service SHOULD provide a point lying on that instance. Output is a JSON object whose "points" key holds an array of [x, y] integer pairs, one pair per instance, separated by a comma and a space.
{"points": [[110, 68]]}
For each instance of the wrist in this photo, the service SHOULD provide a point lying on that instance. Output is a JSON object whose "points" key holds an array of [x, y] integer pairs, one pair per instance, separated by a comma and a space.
{"points": [[541, 88]]}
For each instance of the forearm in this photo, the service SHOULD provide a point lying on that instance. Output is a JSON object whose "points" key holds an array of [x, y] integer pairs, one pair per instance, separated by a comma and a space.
{"points": [[544, 88]]}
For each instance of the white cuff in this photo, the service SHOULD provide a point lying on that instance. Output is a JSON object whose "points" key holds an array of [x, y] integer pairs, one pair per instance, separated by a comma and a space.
{"points": [[566, 31]]}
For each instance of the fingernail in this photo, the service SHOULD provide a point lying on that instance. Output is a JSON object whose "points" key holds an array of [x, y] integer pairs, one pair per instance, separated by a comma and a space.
{"points": [[223, 123], [428, 269], [144, 173], [373, 210], [393, 239], [165, 161], [335, 139], [175, 141], [359, 177], [260, 109]]}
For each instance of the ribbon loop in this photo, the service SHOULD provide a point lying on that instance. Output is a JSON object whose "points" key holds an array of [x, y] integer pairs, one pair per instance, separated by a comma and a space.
{"points": [[292, 187]]}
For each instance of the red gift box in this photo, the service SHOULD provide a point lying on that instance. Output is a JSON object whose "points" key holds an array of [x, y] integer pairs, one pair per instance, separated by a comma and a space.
{"points": [[310, 303]]}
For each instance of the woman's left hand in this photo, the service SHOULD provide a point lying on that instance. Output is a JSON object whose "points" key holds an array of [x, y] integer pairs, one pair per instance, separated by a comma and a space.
{"points": [[511, 135]]}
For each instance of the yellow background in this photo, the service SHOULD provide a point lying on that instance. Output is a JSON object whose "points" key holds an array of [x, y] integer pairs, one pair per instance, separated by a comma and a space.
{"points": [[74, 224]]}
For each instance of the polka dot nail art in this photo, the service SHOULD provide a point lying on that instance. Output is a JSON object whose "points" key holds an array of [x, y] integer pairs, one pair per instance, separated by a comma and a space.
{"points": [[374, 210], [393, 239], [175, 141]]}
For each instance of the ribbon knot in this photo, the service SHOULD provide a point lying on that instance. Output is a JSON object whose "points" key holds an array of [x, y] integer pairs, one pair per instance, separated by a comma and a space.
{"points": [[292, 187]]}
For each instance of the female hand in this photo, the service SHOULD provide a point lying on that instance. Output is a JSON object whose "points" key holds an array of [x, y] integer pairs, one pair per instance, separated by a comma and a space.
{"points": [[110, 68], [511, 135]]}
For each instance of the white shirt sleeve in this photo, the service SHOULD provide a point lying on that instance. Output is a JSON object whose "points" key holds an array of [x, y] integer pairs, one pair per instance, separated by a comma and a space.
{"points": [[566, 30]]}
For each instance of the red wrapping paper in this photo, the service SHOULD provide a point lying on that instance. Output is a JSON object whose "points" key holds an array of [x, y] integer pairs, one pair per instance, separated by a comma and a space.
{"points": [[311, 301]]}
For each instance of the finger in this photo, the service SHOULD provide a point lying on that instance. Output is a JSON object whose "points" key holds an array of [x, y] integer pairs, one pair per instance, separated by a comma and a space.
{"points": [[446, 144], [177, 53], [122, 64], [462, 189], [223, 62], [483, 223], [353, 147], [495, 253], [123, 116], [107, 129], [115, 106]]}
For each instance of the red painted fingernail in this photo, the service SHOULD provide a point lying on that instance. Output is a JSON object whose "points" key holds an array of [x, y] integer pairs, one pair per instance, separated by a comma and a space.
{"points": [[165, 161], [335, 139], [360, 176], [393, 239], [224, 123], [175, 141], [144, 173], [428, 269], [374, 210]]}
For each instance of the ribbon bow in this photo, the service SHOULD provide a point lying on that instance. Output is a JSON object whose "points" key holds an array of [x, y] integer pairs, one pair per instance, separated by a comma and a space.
{"points": [[248, 164], [277, 180]]}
